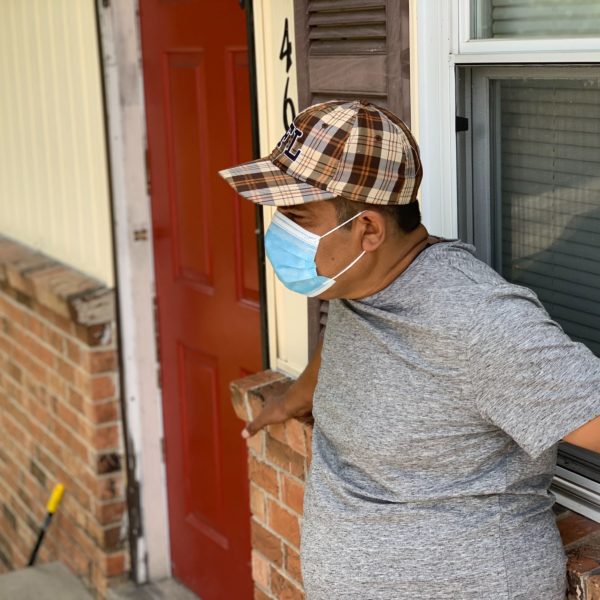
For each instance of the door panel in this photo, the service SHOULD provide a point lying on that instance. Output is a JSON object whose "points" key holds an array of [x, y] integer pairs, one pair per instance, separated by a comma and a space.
{"points": [[198, 120]]}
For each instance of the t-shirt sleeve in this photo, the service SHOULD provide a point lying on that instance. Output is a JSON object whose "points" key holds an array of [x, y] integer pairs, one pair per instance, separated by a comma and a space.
{"points": [[528, 377]]}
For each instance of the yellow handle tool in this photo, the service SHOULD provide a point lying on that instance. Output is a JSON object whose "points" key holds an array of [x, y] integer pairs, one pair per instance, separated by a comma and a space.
{"points": [[51, 507], [55, 498]]}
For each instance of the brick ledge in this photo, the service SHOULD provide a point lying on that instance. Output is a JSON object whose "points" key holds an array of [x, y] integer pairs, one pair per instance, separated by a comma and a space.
{"points": [[581, 536], [30, 275]]}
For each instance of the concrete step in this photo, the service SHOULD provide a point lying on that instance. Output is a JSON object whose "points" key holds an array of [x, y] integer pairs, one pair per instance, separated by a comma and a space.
{"points": [[54, 581]]}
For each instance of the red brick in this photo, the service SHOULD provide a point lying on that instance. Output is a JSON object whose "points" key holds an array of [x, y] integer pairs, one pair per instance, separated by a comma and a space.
{"points": [[73, 351], [66, 370], [36, 327], [71, 441], [107, 437], [257, 503], [593, 587], [42, 353], [115, 564], [110, 488], [283, 522], [295, 435], [104, 412], [36, 369], [95, 335], [266, 543], [75, 400], [309, 434], [102, 387], [58, 321], [256, 443], [110, 512], [101, 361], [291, 561], [54, 338], [283, 588], [575, 527], [260, 570], [67, 415], [284, 457], [258, 594], [256, 381], [292, 493], [263, 475], [277, 431], [56, 384]]}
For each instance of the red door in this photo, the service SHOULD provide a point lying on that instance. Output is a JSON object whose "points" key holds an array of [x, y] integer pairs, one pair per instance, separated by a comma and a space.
{"points": [[198, 119]]}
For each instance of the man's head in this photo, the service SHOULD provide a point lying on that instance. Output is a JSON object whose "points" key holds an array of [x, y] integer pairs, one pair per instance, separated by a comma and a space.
{"points": [[378, 231], [338, 161]]}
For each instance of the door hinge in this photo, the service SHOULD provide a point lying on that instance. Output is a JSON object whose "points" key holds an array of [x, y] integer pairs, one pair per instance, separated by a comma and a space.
{"points": [[462, 124]]}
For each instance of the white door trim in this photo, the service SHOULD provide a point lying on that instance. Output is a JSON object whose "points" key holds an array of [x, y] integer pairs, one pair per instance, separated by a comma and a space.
{"points": [[134, 264], [436, 113]]}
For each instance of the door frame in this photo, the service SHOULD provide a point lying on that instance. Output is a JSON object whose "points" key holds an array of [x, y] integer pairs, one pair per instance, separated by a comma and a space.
{"points": [[125, 119]]}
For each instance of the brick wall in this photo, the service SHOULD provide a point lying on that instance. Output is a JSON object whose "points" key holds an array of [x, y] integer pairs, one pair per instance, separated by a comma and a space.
{"points": [[60, 418], [278, 459]]}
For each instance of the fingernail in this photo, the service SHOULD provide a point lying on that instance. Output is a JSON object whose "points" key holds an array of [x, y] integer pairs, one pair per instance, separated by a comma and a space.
{"points": [[245, 433]]}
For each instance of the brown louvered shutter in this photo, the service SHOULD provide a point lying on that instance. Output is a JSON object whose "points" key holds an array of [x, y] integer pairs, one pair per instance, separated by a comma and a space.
{"points": [[349, 49]]}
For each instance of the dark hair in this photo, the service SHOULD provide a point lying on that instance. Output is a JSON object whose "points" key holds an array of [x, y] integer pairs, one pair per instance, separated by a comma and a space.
{"points": [[407, 217]]}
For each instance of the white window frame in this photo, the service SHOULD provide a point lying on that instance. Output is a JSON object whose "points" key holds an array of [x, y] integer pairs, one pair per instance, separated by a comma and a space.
{"points": [[465, 44], [442, 43]]}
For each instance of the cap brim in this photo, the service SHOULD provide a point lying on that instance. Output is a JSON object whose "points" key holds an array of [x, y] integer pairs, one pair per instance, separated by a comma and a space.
{"points": [[262, 182]]}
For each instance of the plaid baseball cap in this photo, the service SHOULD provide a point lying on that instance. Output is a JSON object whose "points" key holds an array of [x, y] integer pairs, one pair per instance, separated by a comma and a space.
{"points": [[356, 149]]}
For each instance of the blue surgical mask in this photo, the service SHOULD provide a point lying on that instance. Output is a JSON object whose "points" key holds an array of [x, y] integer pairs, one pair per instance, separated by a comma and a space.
{"points": [[291, 250]]}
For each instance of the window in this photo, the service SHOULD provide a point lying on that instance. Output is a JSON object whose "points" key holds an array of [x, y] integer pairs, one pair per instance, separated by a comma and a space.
{"points": [[531, 202], [534, 18], [523, 181]]}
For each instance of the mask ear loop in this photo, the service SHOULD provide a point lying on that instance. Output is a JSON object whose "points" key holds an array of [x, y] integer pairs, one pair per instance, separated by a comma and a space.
{"points": [[342, 224], [359, 256], [351, 264]]}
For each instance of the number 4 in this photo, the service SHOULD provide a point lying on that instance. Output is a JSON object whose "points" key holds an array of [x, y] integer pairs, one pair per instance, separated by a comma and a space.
{"points": [[286, 47]]}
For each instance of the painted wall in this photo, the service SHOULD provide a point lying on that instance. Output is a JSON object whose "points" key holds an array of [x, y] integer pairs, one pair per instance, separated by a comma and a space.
{"points": [[53, 173], [277, 90]]}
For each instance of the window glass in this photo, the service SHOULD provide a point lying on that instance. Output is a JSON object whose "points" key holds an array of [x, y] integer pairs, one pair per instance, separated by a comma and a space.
{"points": [[545, 142], [535, 18]]}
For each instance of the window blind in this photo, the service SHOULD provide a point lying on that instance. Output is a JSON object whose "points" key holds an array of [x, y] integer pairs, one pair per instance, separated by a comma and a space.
{"points": [[549, 211], [537, 18]]}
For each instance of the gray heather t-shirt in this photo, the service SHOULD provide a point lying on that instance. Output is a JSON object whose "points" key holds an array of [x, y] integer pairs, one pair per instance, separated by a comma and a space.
{"points": [[439, 405]]}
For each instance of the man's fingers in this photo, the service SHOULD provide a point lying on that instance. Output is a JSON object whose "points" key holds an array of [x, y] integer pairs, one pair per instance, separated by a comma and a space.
{"points": [[270, 414]]}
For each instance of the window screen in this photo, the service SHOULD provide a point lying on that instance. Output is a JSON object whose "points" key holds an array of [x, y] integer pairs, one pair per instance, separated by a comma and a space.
{"points": [[548, 170], [530, 178], [535, 18]]}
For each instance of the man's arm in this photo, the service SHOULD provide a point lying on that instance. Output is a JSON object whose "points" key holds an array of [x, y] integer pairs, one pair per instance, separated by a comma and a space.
{"points": [[296, 402], [587, 436]]}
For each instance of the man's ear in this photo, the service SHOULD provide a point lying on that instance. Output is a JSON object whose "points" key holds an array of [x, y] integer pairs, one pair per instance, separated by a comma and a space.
{"points": [[372, 226]]}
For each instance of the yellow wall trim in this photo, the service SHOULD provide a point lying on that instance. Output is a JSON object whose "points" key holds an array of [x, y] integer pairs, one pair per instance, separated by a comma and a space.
{"points": [[54, 190]]}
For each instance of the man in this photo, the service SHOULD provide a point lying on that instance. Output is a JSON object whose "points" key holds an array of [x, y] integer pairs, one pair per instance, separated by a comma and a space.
{"points": [[440, 391]]}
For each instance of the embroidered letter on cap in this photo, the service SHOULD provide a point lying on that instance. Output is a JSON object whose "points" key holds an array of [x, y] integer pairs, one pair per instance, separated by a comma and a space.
{"points": [[288, 140]]}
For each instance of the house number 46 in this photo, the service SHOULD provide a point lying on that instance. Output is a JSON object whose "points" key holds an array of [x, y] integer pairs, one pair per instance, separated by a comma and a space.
{"points": [[285, 53]]}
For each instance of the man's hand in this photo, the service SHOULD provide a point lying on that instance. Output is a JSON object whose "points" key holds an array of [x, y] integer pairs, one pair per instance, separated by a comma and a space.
{"points": [[296, 402]]}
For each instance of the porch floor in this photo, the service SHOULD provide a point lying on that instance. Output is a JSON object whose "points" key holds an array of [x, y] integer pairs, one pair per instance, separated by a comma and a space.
{"points": [[54, 580]]}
